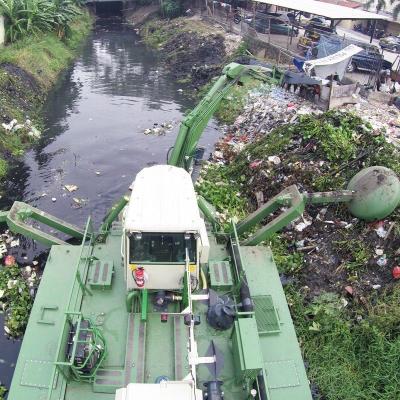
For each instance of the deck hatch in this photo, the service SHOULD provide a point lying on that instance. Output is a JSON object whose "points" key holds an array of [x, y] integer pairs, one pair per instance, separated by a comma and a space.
{"points": [[281, 374], [266, 315], [100, 274], [220, 275], [246, 347], [37, 373]]}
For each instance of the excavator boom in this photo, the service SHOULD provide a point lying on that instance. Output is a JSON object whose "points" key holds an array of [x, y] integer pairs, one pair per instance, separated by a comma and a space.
{"points": [[194, 123]]}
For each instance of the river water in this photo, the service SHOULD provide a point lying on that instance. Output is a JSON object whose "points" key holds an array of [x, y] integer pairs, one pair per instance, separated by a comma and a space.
{"points": [[94, 138]]}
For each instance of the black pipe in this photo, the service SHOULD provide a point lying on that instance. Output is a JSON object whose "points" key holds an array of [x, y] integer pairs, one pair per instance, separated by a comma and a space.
{"points": [[261, 386], [373, 31], [247, 303]]}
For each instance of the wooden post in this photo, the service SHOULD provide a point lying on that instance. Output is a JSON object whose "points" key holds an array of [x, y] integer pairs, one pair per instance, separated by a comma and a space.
{"points": [[373, 31], [330, 93], [2, 31]]}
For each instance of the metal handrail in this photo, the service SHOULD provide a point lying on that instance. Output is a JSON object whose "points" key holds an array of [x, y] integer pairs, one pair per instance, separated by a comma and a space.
{"points": [[234, 236], [71, 308]]}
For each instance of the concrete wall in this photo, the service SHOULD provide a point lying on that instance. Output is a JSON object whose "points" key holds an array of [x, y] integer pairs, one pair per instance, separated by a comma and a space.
{"points": [[2, 31], [347, 24], [393, 28]]}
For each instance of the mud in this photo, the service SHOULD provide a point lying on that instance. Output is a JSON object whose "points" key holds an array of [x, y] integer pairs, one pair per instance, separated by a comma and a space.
{"points": [[200, 57], [19, 93], [193, 50]]}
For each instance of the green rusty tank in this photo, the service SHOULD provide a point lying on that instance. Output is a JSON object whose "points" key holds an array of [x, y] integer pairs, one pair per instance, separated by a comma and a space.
{"points": [[377, 193]]}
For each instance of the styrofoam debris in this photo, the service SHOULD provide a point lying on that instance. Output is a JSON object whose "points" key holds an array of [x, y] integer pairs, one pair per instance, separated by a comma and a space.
{"points": [[274, 160], [382, 261], [376, 287], [302, 225], [14, 243], [381, 232], [71, 188]]}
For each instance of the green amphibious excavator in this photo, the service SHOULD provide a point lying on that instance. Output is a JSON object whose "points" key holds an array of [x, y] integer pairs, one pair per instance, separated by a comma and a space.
{"points": [[159, 303]]}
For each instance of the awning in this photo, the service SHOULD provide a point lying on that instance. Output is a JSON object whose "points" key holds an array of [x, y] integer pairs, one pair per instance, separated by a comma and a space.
{"points": [[327, 10], [331, 65]]}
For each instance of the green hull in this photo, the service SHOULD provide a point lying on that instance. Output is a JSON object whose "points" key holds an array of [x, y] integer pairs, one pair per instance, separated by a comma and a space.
{"points": [[141, 351]]}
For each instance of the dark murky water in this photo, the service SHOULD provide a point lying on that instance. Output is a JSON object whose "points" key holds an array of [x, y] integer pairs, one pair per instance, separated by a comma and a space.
{"points": [[95, 119]]}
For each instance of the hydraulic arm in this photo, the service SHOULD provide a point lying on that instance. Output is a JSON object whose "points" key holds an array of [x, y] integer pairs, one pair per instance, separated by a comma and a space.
{"points": [[194, 123]]}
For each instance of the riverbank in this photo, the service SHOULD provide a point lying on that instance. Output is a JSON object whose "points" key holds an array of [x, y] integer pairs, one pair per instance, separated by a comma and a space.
{"points": [[28, 70], [192, 49], [336, 269]]}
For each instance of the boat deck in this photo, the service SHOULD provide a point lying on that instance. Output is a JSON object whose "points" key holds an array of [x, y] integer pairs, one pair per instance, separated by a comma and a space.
{"points": [[142, 351]]}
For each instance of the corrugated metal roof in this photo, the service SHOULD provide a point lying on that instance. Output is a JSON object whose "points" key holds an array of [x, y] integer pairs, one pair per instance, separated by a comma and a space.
{"points": [[327, 10], [163, 200]]}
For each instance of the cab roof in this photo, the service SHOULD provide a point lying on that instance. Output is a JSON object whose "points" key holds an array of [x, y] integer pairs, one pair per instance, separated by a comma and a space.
{"points": [[162, 200]]}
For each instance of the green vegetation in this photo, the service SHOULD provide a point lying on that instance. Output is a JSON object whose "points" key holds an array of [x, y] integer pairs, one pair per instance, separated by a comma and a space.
{"points": [[215, 185], [358, 252], [3, 392], [15, 299], [32, 17], [28, 69], [171, 8], [156, 33], [44, 56], [342, 141], [233, 104], [288, 262], [352, 352]]}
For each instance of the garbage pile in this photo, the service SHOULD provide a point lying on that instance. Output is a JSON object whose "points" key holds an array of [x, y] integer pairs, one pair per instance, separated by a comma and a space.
{"points": [[383, 117], [13, 126], [160, 129], [17, 287], [267, 108], [281, 140]]}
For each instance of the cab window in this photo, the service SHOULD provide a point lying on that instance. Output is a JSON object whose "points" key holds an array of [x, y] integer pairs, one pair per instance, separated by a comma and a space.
{"points": [[161, 247]]}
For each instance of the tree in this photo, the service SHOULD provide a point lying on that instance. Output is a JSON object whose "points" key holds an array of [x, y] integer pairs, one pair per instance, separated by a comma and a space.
{"points": [[381, 5]]}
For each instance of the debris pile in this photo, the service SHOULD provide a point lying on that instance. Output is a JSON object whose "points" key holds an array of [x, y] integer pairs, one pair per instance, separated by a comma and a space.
{"points": [[13, 126], [160, 129], [17, 288], [280, 140], [383, 117], [267, 108]]}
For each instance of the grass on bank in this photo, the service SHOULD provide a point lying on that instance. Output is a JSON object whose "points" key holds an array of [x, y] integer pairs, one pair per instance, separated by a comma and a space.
{"points": [[45, 55], [157, 32], [28, 69], [353, 353]]}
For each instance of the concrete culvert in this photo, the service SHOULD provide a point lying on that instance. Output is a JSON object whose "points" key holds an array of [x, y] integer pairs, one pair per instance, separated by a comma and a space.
{"points": [[107, 8]]}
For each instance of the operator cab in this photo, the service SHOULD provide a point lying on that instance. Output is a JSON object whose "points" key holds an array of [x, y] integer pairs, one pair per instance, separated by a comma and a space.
{"points": [[163, 230]]}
